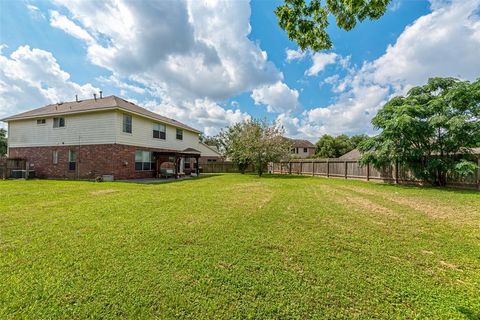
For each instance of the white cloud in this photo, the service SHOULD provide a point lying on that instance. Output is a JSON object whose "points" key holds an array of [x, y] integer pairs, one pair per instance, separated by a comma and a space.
{"points": [[442, 43], [200, 113], [30, 78], [320, 61], [277, 97], [35, 12], [194, 53], [63, 23], [295, 54]]}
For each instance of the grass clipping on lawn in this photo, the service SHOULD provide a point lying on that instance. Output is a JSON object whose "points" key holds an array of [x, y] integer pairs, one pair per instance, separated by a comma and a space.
{"points": [[238, 246]]}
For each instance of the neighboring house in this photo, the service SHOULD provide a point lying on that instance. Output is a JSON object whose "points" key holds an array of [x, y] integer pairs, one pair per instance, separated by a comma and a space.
{"points": [[102, 136], [210, 154], [302, 148], [354, 154]]}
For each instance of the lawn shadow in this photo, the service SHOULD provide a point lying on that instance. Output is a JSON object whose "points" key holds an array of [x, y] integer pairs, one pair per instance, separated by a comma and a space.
{"points": [[153, 181], [469, 313], [457, 190], [282, 176]]}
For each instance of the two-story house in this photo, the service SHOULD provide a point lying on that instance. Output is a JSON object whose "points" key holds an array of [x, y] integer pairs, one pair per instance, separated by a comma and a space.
{"points": [[102, 136], [302, 148]]}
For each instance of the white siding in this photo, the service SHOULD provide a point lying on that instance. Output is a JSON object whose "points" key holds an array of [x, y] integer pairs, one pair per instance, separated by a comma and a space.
{"points": [[142, 135], [86, 128]]}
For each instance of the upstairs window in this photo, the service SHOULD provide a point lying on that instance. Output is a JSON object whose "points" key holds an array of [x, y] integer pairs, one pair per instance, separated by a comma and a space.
{"points": [[59, 122], [127, 123], [159, 131], [41, 121], [72, 160], [305, 150], [144, 161], [179, 134]]}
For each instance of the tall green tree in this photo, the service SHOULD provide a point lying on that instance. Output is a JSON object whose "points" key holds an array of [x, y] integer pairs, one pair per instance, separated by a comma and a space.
{"points": [[306, 21], [334, 147], [431, 130], [357, 139], [3, 142], [255, 142]]}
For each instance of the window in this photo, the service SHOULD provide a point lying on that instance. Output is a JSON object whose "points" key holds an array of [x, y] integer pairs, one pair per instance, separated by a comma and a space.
{"points": [[59, 122], [296, 150], [179, 134], [144, 161], [55, 157], [159, 131], [187, 163], [72, 160], [127, 123], [41, 121], [305, 150], [211, 160]]}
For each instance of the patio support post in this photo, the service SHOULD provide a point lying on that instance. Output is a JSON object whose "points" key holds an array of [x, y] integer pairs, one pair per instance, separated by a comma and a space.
{"points": [[198, 166]]}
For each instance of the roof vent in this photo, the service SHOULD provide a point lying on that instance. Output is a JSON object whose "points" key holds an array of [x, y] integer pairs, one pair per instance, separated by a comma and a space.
{"points": [[101, 94], [95, 96], [76, 97]]}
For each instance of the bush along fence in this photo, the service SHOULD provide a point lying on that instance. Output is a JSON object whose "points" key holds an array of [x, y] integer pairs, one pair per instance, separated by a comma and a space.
{"points": [[352, 169]]}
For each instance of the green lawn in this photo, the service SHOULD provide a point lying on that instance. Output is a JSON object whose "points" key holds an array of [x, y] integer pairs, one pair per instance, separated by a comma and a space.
{"points": [[233, 246]]}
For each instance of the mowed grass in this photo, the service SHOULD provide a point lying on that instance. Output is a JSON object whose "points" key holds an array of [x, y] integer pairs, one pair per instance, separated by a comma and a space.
{"points": [[238, 246]]}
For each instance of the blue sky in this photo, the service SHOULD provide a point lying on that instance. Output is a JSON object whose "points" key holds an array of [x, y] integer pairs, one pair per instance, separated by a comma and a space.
{"points": [[213, 63]]}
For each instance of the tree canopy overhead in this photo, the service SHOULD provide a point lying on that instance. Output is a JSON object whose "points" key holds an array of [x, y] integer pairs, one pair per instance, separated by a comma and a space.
{"points": [[431, 130], [306, 21]]}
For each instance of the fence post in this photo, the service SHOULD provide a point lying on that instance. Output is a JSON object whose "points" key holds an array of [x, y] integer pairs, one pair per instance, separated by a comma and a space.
{"points": [[368, 171], [396, 171], [346, 168], [289, 167], [328, 169], [313, 168], [478, 174], [301, 168]]}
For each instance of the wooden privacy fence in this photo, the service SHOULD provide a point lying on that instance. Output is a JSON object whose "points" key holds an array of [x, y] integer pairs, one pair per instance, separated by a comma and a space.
{"points": [[9, 164], [222, 167], [354, 170]]}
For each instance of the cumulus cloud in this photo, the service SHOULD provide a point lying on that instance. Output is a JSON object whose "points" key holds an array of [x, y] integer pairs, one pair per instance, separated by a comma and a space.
{"points": [[30, 78], [319, 61], [277, 97], [442, 43], [63, 23], [194, 53], [295, 54], [200, 113]]}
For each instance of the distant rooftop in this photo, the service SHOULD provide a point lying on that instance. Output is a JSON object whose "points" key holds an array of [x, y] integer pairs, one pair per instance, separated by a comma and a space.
{"points": [[98, 104], [299, 143]]}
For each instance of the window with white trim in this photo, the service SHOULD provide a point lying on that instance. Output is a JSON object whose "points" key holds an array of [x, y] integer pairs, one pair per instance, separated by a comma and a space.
{"points": [[72, 160], [127, 123], [159, 131], [41, 121], [55, 156], [179, 134], [144, 161], [59, 122]]}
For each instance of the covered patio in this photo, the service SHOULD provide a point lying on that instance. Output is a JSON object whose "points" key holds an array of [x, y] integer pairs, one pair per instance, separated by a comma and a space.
{"points": [[177, 164]]}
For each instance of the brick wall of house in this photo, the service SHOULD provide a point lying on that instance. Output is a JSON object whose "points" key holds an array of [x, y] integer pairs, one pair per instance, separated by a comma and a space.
{"points": [[92, 161]]}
